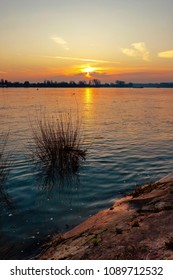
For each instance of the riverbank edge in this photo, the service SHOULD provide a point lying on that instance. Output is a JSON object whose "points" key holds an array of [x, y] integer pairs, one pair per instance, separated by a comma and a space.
{"points": [[138, 226]]}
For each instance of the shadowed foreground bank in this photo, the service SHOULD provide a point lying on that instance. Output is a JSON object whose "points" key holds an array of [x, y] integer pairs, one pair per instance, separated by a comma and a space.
{"points": [[139, 226]]}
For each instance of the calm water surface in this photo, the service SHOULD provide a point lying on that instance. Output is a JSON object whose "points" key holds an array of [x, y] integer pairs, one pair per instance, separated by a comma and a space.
{"points": [[129, 137]]}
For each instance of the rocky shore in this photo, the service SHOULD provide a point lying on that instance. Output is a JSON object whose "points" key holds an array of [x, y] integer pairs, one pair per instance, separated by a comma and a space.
{"points": [[139, 226]]}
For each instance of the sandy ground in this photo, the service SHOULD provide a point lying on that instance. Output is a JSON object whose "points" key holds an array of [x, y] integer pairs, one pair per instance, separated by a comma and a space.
{"points": [[139, 226]]}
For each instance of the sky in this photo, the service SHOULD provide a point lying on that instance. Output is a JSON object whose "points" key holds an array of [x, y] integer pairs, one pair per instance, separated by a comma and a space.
{"points": [[72, 40]]}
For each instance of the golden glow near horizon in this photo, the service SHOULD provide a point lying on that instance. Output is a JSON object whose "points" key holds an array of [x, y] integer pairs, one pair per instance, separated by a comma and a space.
{"points": [[95, 39], [89, 70]]}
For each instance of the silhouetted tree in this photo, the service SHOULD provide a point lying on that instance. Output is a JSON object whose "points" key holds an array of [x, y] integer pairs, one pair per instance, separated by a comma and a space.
{"points": [[2, 81], [95, 82], [26, 84], [82, 83], [120, 83]]}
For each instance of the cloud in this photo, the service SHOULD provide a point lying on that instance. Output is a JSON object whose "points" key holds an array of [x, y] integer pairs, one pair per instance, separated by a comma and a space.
{"points": [[167, 54], [84, 59], [138, 50], [60, 41]]}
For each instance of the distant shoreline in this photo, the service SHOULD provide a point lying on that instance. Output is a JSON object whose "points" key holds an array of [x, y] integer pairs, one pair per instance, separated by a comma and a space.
{"points": [[82, 84], [87, 86]]}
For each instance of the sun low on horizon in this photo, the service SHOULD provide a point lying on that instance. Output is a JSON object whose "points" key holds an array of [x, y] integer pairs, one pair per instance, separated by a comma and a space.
{"points": [[88, 71], [74, 40]]}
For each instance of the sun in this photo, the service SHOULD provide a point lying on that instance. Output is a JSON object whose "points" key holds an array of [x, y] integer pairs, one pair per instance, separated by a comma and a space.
{"points": [[88, 70]]}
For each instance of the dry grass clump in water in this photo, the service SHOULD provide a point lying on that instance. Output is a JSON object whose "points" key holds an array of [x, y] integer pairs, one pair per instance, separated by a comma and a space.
{"points": [[58, 145], [4, 162]]}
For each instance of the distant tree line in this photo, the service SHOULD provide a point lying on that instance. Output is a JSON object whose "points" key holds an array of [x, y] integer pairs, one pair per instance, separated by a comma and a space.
{"points": [[71, 84], [82, 84]]}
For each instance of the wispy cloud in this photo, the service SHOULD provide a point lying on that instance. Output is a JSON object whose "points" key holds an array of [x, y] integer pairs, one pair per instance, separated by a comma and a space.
{"points": [[84, 59], [60, 41], [166, 54], [137, 50], [3, 72]]}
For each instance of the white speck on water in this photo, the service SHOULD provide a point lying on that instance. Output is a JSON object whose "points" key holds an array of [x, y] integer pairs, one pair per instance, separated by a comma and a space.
{"points": [[33, 236]]}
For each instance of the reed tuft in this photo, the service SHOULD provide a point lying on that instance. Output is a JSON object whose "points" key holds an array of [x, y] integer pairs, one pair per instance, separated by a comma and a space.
{"points": [[58, 145], [4, 161]]}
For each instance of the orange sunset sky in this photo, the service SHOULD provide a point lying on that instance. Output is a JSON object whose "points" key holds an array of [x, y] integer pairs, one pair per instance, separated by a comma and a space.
{"points": [[66, 40]]}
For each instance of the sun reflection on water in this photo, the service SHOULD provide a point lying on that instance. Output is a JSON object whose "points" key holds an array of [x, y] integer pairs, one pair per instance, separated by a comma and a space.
{"points": [[88, 105]]}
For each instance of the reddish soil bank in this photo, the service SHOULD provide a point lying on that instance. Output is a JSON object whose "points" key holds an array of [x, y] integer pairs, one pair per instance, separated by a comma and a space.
{"points": [[139, 226]]}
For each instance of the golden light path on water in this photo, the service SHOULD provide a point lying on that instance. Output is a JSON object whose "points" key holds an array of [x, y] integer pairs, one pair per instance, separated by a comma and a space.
{"points": [[128, 135]]}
